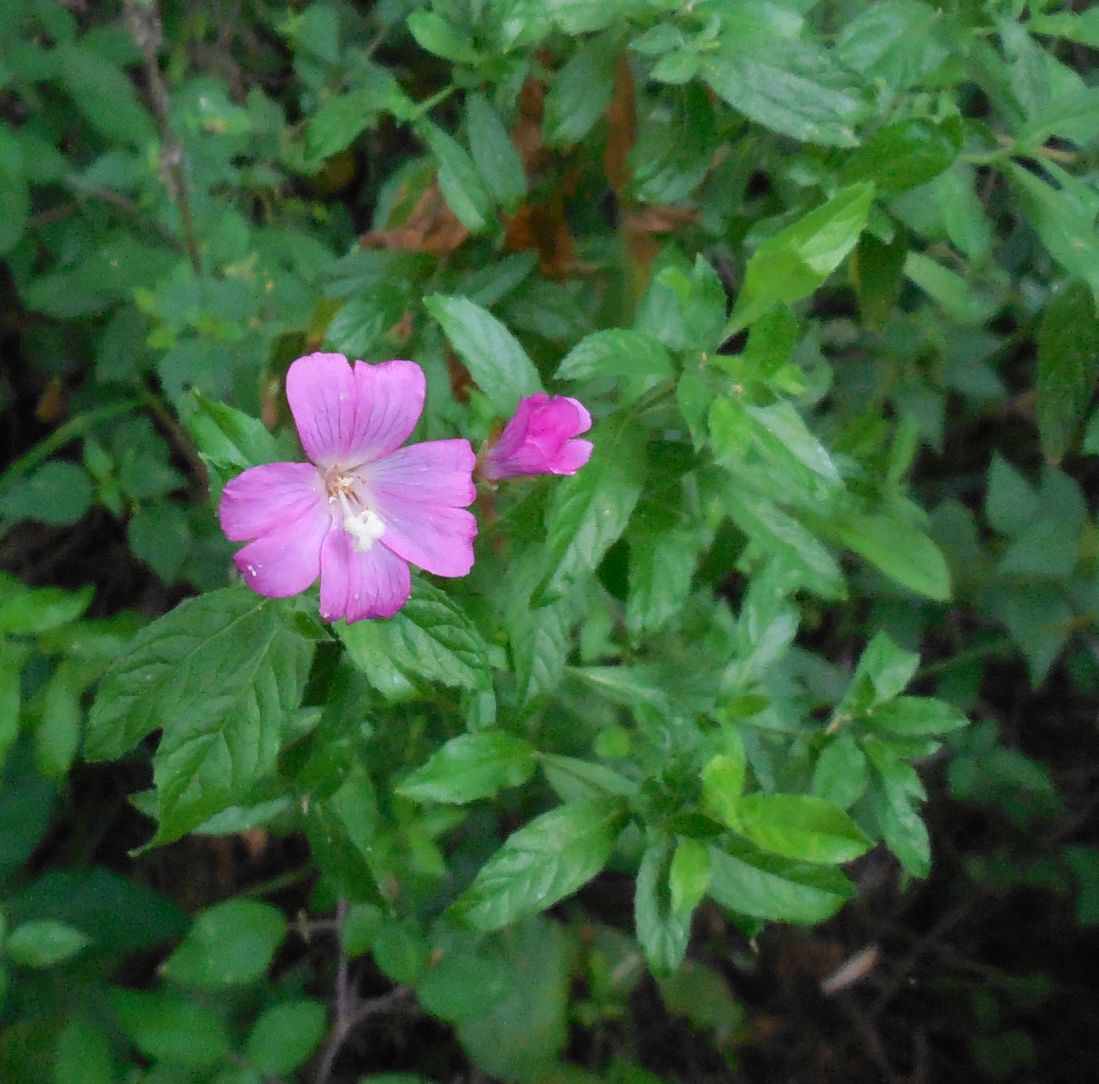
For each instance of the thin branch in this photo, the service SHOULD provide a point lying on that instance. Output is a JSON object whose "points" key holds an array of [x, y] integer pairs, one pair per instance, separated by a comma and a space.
{"points": [[143, 22]]}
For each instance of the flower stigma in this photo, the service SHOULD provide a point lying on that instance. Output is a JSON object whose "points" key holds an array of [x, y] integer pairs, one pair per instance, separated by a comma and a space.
{"points": [[365, 525]]}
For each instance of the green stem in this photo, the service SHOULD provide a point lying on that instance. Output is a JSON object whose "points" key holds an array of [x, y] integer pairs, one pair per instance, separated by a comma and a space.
{"points": [[62, 435]]}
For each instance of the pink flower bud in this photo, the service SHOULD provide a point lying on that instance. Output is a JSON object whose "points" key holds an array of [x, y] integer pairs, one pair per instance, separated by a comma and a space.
{"points": [[538, 439]]}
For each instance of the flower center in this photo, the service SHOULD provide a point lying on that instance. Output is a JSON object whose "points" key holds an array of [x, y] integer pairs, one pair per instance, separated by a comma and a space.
{"points": [[359, 520]]}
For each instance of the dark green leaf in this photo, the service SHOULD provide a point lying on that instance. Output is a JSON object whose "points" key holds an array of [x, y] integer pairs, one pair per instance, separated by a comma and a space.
{"points": [[1068, 365], [548, 859], [905, 154], [469, 767], [616, 352], [910, 716], [285, 1036], [590, 510], [43, 943], [459, 180], [580, 91], [494, 155], [230, 944], [219, 675], [496, 361], [172, 1028]]}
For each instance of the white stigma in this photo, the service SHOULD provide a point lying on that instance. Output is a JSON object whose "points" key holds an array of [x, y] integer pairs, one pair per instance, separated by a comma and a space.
{"points": [[365, 528]]}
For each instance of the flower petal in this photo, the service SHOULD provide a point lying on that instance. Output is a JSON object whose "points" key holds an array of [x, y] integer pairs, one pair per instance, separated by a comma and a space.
{"points": [[435, 472], [437, 539], [572, 456], [419, 492], [286, 559], [350, 415], [261, 498], [356, 585]]}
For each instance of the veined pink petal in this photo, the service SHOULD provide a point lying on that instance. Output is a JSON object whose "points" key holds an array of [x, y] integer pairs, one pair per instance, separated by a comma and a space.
{"points": [[350, 415], [262, 498], [538, 439], [435, 472], [356, 584], [434, 538], [286, 559]]}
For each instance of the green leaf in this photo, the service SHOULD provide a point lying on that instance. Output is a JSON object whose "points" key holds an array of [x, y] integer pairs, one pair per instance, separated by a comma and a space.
{"points": [[220, 676], [14, 194], [172, 1028], [841, 773], [766, 886], [230, 944], [616, 352], [898, 790], [44, 942], [689, 875], [30, 611], [521, 1037], [285, 1036], [662, 931], [494, 154], [876, 269], [722, 783], [776, 531], [433, 33], [580, 91], [800, 826], [787, 86], [459, 180], [1068, 365], [498, 364], [894, 41], [662, 566], [911, 716], [342, 118], [547, 860], [896, 548], [83, 1053], [469, 767], [58, 733], [229, 437], [589, 511], [1064, 219], [430, 640], [1082, 27], [958, 299], [104, 95], [882, 673], [795, 261], [904, 155], [58, 493]]}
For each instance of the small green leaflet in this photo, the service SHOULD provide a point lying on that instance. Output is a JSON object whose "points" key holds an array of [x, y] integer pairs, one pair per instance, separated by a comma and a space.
{"points": [[800, 826], [662, 930]]}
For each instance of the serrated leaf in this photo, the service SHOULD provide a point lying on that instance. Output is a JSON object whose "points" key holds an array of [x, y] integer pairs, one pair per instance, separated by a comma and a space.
{"points": [[219, 675], [616, 352], [752, 883], [104, 95], [905, 154], [580, 91], [786, 86], [469, 767], [498, 364], [494, 154], [1068, 366], [230, 944], [800, 826], [429, 640], [547, 860], [590, 510], [459, 180]]}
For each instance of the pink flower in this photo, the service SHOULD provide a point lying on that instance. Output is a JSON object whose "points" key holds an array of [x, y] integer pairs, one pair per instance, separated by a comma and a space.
{"points": [[538, 439], [364, 508]]}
